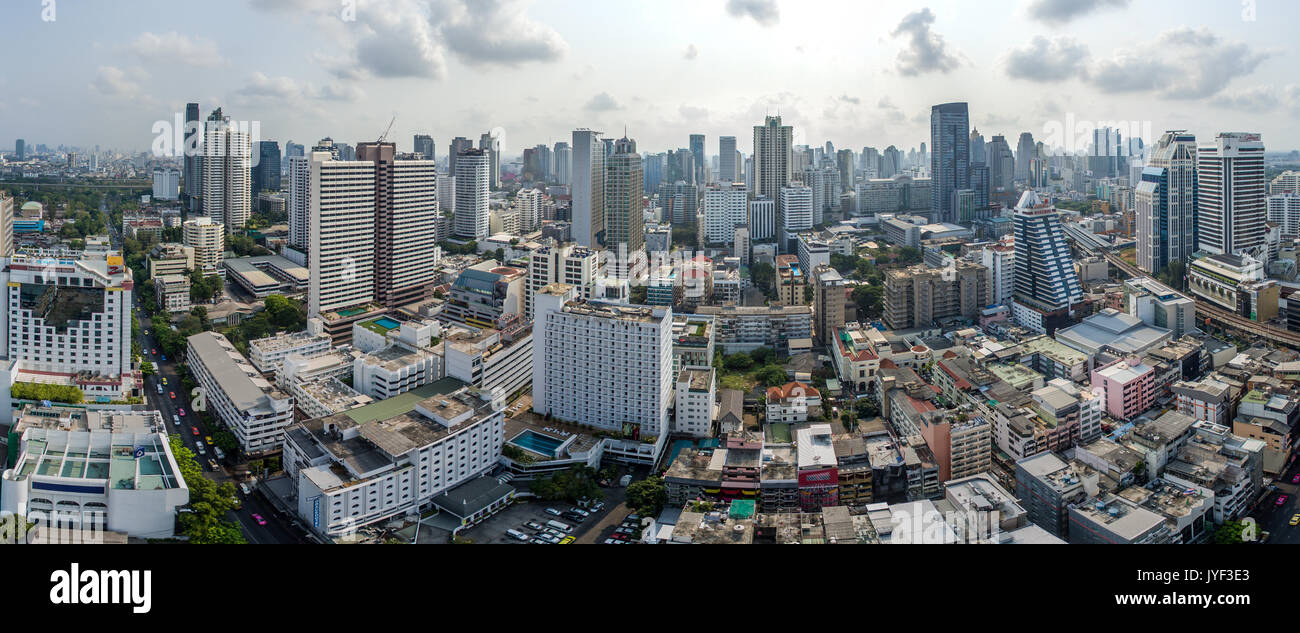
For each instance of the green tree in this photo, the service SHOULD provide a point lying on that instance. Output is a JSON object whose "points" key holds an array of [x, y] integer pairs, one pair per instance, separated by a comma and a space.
{"points": [[648, 496], [1229, 533], [738, 362], [762, 275]]}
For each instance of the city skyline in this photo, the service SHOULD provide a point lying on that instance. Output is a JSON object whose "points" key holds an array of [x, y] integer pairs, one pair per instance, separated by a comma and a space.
{"points": [[539, 70]]}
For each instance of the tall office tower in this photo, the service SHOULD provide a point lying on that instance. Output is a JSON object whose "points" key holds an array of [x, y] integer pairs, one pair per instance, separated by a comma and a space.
{"points": [[795, 213], [726, 206], [1230, 194], [472, 175], [227, 164], [298, 204], [762, 218], [891, 162], [493, 145], [979, 183], [1105, 152], [347, 152], [166, 183], [1002, 167], [457, 146], [327, 144], [1165, 203], [191, 161], [424, 146], [266, 173], [815, 178], [20, 146], [679, 201], [563, 163], [342, 226], [6, 224], [1000, 260], [602, 365], [1284, 209], [446, 193], [1025, 151], [588, 210], [828, 304], [208, 239], [529, 204], [653, 169], [1046, 285], [680, 165], [976, 147], [624, 219], [772, 142], [566, 263], [870, 163], [950, 162], [727, 159], [697, 150], [844, 161], [406, 211], [291, 149]]}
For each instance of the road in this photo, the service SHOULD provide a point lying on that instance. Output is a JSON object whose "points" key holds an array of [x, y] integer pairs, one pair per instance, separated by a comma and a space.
{"points": [[1276, 519]]}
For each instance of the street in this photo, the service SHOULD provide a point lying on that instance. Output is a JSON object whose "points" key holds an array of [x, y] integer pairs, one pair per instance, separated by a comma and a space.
{"points": [[1276, 519]]}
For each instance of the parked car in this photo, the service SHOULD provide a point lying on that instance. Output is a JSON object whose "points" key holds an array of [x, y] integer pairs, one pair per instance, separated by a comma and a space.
{"points": [[610, 541], [580, 511], [553, 512], [1296, 479], [533, 525]]}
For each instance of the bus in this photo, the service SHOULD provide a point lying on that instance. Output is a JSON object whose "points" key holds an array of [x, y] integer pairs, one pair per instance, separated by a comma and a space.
{"points": [[563, 527]]}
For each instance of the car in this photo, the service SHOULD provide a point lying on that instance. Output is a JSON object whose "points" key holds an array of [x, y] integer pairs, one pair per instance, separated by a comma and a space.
{"points": [[248, 490], [181, 411], [259, 519], [610, 541], [164, 380], [553, 512], [194, 430], [176, 419], [537, 540], [619, 537], [160, 390], [208, 439], [163, 357], [517, 535], [551, 539], [153, 352], [633, 517], [566, 540], [1296, 479], [572, 516], [553, 532], [1281, 500], [172, 394], [146, 332], [213, 464], [580, 511], [1295, 519], [599, 505], [533, 525]]}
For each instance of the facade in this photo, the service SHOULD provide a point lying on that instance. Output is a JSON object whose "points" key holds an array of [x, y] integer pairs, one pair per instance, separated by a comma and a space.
{"points": [[256, 412], [208, 239], [1165, 200], [795, 211], [166, 184], [1046, 284], [227, 172], [342, 219], [828, 304], [1048, 486], [772, 172], [1284, 209], [483, 293], [695, 406], [405, 214], [472, 175], [1230, 194], [494, 360], [762, 218], [1000, 259], [1128, 387], [919, 295], [790, 281], [577, 266], [949, 159], [1235, 283], [1160, 306], [624, 219], [268, 354], [588, 191], [746, 328], [173, 293], [725, 208]]}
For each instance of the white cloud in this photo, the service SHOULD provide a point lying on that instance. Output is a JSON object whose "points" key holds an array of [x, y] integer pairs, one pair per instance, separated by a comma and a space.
{"points": [[174, 47], [1062, 11], [603, 102], [926, 50], [1181, 63], [1048, 61], [764, 12], [113, 82], [691, 52]]}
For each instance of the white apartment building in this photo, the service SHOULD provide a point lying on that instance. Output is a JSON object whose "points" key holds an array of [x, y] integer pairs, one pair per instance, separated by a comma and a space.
{"points": [[298, 203], [762, 218], [602, 365], [1001, 261], [67, 317], [446, 192], [395, 369], [173, 293], [497, 361], [529, 204], [342, 225], [170, 259], [695, 405], [471, 215], [227, 175], [1284, 209], [725, 207], [166, 184], [796, 211], [1230, 194], [267, 354], [577, 266], [84, 469], [208, 239], [250, 406], [351, 470]]}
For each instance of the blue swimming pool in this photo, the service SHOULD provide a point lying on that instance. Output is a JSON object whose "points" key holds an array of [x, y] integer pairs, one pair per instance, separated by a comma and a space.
{"points": [[387, 322], [537, 443]]}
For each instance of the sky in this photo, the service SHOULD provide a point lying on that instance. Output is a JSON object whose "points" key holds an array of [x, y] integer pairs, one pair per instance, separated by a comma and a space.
{"points": [[88, 72]]}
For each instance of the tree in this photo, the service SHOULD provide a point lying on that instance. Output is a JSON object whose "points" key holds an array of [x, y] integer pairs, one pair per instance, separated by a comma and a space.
{"points": [[1230, 533], [771, 376], [648, 496], [869, 300], [147, 368], [763, 355], [762, 275], [738, 362]]}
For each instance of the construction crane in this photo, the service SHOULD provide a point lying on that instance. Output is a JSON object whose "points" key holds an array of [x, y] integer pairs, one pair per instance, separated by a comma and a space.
{"points": [[388, 129]]}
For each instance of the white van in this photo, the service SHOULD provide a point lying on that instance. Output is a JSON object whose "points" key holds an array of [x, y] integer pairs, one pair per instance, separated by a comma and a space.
{"points": [[202, 451], [517, 535], [563, 527], [176, 419]]}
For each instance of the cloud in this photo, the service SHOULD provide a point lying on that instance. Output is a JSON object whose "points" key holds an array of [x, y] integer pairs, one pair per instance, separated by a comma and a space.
{"points": [[603, 103], [926, 50], [113, 82], [762, 11], [1062, 11], [1048, 61], [691, 52], [1259, 98], [847, 99], [264, 89], [1181, 63], [174, 47], [692, 113], [482, 32]]}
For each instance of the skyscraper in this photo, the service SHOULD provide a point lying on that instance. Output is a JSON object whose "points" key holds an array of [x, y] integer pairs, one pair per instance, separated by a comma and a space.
{"points": [[20, 146], [588, 210], [424, 146], [192, 159], [1231, 208], [697, 150], [492, 144], [796, 211], [266, 173], [950, 160], [342, 226], [727, 159], [406, 212], [227, 164], [844, 162], [891, 162], [976, 147], [472, 174], [772, 143], [1002, 168], [1046, 285], [1165, 201], [454, 149], [1025, 151], [726, 206], [563, 163], [298, 204], [624, 221]]}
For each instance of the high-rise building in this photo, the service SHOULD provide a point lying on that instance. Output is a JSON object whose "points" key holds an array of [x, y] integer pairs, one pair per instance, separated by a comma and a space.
{"points": [[588, 210], [6, 224], [1025, 151], [762, 218], [891, 162], [828, 304], [1284, 209], [208, 239], [568, 263], [406, 210], [624, 219], [602, 365], [342, 218], [454, 149], [1002, 167], [423, 145], [796, 211], [844, 161], [1000, 260], [976, 147], [1165, 203], [697, 151], [473, 173], [563, 157], [266, 173], [529, 204], [192, 158], [227, 164], [20, 146], [725, 207], [299, 203], [1230, 194], [166, 183], [1046, 284], [772, 143], [492, 145], [727, 159]]}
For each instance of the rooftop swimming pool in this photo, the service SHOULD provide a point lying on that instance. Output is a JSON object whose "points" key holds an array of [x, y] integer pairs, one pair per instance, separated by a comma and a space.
{"points": [[537, 443]]}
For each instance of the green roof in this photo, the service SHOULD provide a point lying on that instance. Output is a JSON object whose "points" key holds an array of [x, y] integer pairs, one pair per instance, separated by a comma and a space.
{"points": [[778, 433], [403, 403], [741, 509]]}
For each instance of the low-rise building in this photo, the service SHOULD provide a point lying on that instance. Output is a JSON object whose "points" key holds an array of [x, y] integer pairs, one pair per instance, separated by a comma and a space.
{"points": [[254, 410], [172, 293], [1128, 386], [695, 405], [267, 354]]}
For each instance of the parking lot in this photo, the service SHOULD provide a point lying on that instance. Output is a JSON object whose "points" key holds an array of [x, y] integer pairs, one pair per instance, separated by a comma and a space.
{"points": [[516, 516]]}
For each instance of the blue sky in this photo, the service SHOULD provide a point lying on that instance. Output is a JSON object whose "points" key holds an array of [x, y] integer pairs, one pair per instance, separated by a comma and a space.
{"points": [[855, 73]]}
